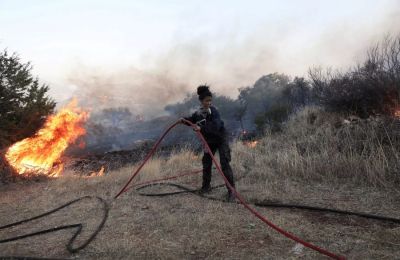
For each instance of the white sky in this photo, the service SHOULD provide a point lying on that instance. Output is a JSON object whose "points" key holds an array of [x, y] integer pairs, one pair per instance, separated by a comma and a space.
{"points": [[58, 36]]}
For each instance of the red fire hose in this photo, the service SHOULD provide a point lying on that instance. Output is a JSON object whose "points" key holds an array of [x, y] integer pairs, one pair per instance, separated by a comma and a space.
{"points": [[237, 194]]}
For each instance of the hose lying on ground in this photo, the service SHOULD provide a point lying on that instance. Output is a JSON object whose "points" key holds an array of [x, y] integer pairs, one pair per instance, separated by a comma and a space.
{"points": [[154, 183], [184, 189], [78, 226]]}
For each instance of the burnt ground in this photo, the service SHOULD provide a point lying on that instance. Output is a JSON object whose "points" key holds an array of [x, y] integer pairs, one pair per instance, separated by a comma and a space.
{"points": [[114, 160]]}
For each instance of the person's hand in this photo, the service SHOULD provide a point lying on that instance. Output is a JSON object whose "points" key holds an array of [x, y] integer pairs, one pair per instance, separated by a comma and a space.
{"points": [[182, 120], [196, 128]]}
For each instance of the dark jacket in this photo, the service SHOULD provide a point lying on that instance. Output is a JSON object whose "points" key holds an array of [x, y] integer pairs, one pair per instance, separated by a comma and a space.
{"points": [[212, 128]]}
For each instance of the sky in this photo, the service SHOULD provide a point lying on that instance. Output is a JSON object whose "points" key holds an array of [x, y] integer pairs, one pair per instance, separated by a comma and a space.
{"points": [[157, 51]]}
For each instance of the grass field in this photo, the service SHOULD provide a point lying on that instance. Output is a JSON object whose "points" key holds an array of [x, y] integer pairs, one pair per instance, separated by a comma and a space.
{"points": [[310, 162]]}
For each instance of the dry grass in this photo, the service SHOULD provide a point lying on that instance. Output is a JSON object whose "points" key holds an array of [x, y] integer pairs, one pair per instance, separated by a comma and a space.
{"points": [[300, 165], [364, 153]]}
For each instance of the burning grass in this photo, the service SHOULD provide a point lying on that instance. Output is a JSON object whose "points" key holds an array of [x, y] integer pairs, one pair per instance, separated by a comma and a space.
{"points": [[41, 153]]}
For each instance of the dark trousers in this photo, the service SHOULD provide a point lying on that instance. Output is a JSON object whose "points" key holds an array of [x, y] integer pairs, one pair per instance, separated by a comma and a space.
{"points": [[224, 158]]}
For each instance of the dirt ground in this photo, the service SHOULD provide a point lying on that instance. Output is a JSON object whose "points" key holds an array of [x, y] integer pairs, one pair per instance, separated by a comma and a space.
{"points": [[189, 227]]}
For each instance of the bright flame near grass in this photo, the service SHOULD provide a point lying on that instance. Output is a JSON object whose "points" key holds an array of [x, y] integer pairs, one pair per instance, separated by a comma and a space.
{"points": [[251, 144], [41, 153], [99, 173]]}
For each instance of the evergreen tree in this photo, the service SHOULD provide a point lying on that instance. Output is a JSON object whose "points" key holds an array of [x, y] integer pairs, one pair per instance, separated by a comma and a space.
{"points": [[24, 103]]}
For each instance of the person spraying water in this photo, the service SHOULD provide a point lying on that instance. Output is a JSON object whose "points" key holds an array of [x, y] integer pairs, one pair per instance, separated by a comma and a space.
{"points": [[211, 126]]}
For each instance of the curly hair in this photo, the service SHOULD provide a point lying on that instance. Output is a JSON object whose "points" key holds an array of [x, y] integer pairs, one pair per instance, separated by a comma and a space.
{"points": [[203, 91]]}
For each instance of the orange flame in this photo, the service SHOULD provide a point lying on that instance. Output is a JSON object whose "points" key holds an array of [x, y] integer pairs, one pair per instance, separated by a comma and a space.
{"points": [[99, 173], [251, 144], [41, 154]]}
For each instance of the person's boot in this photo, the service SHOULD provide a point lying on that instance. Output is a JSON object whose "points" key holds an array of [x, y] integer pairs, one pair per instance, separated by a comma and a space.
{"points": [[205, 189]]}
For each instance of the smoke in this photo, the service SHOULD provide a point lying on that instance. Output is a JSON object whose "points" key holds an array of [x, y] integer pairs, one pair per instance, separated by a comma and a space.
{"points": [[143, 92], [226, 62], [168, 76]]}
